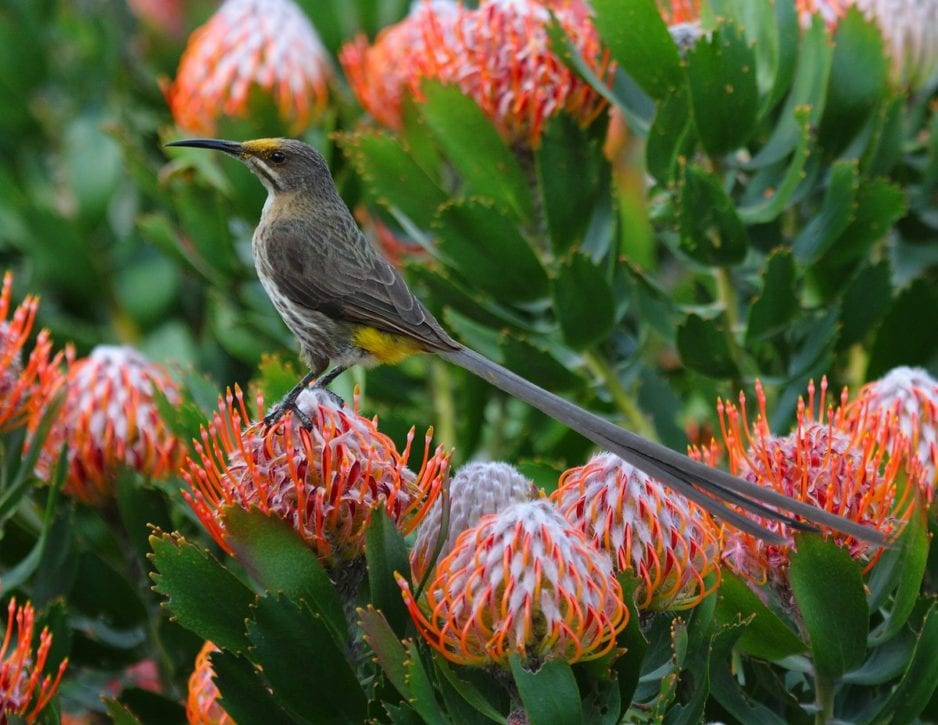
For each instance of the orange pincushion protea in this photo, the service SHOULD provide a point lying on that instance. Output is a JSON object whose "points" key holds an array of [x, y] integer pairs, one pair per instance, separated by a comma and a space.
{"points": [[23, 689], [110, 420], [477, 489], [670, 543], [846, 469], [675, 12], [325, 481], [269, 45], [498, 54], [202, 706], [521, 581], [23, 389]]}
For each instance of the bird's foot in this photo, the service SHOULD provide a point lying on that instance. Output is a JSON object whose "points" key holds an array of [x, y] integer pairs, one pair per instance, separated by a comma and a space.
{"points": [[289, 400]]}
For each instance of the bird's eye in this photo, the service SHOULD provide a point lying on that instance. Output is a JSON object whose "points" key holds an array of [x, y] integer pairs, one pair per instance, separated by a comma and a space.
{"points": [[278, 157]]}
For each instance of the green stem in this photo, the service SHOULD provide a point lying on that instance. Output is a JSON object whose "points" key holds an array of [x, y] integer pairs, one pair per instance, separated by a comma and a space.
{"points": [[726, 294], [823, 699], [441, 386], [634, 417]]}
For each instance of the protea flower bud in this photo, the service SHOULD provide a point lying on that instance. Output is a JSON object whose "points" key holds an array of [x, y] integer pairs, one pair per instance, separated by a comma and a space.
{"points": [[24, 691], [521, 581], [325, 481], [268, 46], [202, 706], [670, 543], [110, 420], [477, 489]]}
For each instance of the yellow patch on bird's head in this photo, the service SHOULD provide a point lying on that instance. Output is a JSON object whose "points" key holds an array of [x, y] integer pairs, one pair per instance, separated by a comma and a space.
{"points": [[262, 146]]}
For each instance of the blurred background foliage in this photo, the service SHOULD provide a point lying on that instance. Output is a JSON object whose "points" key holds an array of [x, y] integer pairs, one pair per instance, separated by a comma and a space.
{"points": [[760, 203]]}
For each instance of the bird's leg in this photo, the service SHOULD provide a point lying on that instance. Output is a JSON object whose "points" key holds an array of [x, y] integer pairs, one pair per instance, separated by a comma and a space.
{"points": [[289, 400]]}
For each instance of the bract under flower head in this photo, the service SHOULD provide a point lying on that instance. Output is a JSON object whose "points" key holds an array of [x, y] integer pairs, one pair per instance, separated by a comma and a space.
{"points": [[265, 45], [850, 471], [23, 388], [202, 706], [521, 581], [109, 420], [325, 481], [670, 543], [498, 54], [24, 691], [906, 400], [477, 489]]}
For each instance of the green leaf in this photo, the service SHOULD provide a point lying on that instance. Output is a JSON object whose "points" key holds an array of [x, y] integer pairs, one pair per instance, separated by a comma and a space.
{"points": [[835, 214], [703, 346], [583, 302], [828, 588], [386, 553], [766, 636], [538, 365], [920, 680], [900, 339], [805, 102], [865, 301], [900, 569], [392, 175], [550, 696], [710, 230], [422, 697], [388, 650], [672, 135], [640, 43], [774, 197], [628, 667], [245, 695], [203, 596], [474, 146], [721, 75], [777, 303], [484, 246], [879, 204], [140, 507], [468, 691], [857, 80], [306, 669], [119, 713], [567, 164], [282, 562]]}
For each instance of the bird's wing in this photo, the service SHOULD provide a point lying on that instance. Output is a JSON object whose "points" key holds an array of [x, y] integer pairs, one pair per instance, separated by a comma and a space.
{"points": [[334, 269]]}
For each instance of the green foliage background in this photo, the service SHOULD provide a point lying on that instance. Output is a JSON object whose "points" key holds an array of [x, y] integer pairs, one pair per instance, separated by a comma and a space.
{"points": [[788, 231]]}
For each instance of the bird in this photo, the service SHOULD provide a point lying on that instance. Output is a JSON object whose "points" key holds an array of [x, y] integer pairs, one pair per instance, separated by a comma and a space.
{"points": [[348, 305]]}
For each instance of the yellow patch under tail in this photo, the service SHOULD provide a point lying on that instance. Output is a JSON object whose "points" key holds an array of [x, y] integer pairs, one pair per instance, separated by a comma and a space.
{"points": [[386, 347]]}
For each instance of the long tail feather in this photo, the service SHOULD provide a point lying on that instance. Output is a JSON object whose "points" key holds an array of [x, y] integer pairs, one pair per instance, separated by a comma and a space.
{"points": [[710, 487]]}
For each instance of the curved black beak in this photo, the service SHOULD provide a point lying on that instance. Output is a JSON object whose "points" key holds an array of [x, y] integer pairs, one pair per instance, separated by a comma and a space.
{"points": [[229, 147]]}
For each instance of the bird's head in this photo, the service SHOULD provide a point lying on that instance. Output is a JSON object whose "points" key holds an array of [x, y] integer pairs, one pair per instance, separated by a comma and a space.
{"points": [[282, 164]]}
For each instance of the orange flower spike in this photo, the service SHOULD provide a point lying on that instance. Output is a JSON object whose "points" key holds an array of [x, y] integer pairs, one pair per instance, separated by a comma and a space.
{"points": [[202, 705], [665, 540], [520, 581], [24, 691]]}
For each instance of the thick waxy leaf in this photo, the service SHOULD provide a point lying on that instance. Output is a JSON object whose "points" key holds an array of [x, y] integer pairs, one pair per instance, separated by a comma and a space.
{"points": [[202, 595], [387, 648], [777, 303], [422, 697], [640, 43], [721, 75], [282, 562], [301, 661], [835, 214], [468, 691], [857, 79], [539, 366], [879, 205], [672, 135], [704, 347], [550, 695], [484, 246], [245, 696], [711, 231], [828, 588], [583, 302], [766, 636], [470, 140], [386, 553], [568, 167], [902, 338], [392, 175], [864, 302]]}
